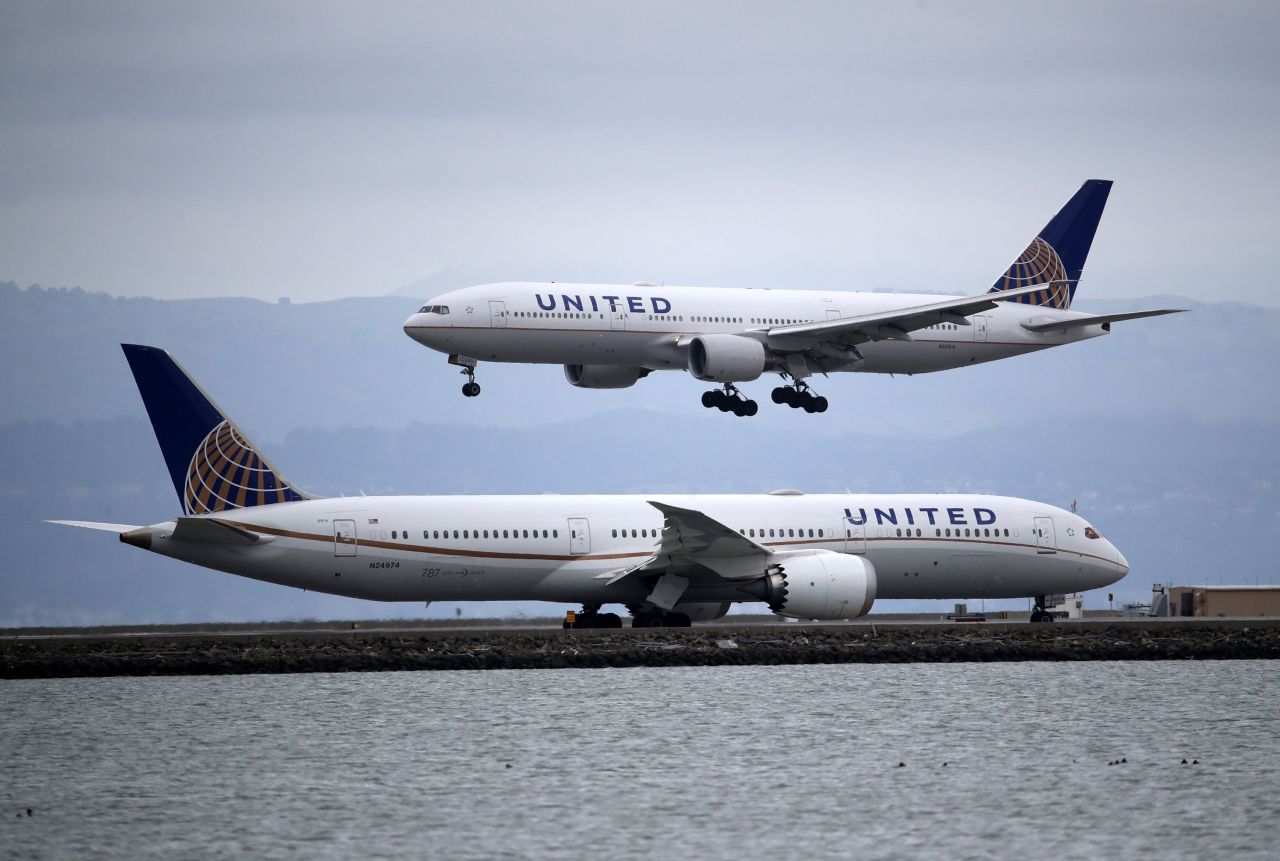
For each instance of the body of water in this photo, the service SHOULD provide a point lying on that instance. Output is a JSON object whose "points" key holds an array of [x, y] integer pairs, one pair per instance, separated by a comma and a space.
{"points": [[999, 760]]}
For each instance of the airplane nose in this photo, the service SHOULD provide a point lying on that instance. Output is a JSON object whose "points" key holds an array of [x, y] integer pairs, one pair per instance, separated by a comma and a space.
{"points": [[412, 326], [1120, 560]]}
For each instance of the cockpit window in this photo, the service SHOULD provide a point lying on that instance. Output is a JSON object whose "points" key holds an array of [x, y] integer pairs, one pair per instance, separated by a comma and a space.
{"points": [[434, 309], [1090, 532]]}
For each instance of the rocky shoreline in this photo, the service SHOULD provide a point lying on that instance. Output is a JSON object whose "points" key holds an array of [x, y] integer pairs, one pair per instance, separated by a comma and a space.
{"points": [[359, 651]]}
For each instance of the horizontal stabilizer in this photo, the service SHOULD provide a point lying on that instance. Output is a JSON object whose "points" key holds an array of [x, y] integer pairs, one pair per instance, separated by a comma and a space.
{"points": [[216, 531], [117, 528], [1041, 325]]}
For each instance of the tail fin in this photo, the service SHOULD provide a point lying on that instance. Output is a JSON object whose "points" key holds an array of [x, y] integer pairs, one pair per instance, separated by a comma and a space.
{"points": [[213, 465], [1055, 258]]}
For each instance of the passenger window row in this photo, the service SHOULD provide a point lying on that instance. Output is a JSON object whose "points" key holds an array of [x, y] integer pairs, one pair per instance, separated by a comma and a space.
{"points": [[782, 533], [945, 533], [492, 534], [636, 533], [476, 534]]}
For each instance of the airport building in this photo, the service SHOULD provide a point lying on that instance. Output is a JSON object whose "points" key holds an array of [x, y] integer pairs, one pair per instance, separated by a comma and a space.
{"points": [[1214, 601]]}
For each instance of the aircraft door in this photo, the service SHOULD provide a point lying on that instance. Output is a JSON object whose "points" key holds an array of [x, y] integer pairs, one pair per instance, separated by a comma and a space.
{"points": [[579, 535], [344, 538], [1046, 540], [833, 314], [855, 537], [617, 321], [979, 328], [497, 314]]}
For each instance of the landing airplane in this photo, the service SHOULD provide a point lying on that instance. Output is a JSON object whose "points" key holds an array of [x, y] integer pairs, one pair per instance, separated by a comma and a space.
{"points": [[670, 559], [609, 336]]}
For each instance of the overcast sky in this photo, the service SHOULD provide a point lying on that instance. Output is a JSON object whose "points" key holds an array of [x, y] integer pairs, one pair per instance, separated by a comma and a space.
{"points": [[318, 151]]}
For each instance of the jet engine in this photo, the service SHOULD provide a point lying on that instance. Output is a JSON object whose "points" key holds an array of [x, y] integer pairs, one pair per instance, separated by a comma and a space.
{"points": [[821, 584], [603, 376], [726, 358]]}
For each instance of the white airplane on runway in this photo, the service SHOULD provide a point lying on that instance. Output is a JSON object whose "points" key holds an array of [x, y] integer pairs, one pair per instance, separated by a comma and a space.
{"points": [[609, 336], [669, 559]]}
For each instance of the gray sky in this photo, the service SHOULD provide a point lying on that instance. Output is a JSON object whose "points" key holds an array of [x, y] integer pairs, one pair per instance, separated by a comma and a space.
{"points": [[317, 151]]}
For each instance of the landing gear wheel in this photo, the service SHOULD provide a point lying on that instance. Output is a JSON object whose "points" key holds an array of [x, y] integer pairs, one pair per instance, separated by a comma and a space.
{"points": [[729, 400], [470, 388], [660, 619], [1038, 612], [799, 397], [595, 620]]}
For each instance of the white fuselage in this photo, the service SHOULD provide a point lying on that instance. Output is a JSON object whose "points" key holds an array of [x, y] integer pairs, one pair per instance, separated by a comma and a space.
{"points": [[563, 548], [649, 327]]}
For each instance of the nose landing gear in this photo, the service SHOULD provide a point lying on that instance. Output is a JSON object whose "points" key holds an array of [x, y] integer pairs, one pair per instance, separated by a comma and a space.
{"points": [[470, 388], [730, 400], [800, 396], [1039, 614]]}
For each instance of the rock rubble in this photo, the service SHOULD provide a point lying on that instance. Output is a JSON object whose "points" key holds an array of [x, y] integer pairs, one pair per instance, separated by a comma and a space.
{"points": [[553, 649]]}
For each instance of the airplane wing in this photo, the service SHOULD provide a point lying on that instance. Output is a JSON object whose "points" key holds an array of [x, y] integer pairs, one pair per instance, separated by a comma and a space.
{"points": [[691, 536], [1080, 322], [891, 325], [691, 533]]}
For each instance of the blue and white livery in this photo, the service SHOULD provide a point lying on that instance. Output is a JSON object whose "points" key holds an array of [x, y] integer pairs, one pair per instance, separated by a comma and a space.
{"points": [[670, 559], [610, 336]]}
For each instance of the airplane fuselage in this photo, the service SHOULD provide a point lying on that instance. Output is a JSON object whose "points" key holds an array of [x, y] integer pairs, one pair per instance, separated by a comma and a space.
{"points": [[649, 327], [563, 548]]}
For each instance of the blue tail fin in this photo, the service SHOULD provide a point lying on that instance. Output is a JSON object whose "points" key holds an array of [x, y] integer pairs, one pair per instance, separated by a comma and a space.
{"points": [[1055, 258], [213, 465]]}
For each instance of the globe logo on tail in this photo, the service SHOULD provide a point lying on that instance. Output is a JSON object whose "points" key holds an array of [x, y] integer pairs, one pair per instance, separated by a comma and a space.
{"points": [[227, 472], [1039, 264]]}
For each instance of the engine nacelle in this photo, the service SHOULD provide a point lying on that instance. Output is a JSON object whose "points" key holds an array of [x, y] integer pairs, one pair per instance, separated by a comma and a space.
{"points": [[822, 584], [603, 376], [726, 358]]}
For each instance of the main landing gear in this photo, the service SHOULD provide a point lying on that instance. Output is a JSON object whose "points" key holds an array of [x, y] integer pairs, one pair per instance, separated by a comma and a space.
{"points": [[1039, 613], [591, 617], [655, 617], [800, 396], [730, 400]]}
